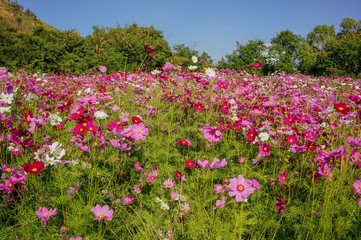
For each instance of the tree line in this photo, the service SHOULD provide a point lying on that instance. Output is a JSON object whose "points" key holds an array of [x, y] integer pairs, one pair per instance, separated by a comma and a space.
{"points": [[322, 52], [130, 47]]}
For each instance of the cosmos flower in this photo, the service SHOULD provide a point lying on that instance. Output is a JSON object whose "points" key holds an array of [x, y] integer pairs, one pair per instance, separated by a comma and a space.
{"points": [[102, 69], [45, 214], [102, 212], [211, 134], [240, 187]]}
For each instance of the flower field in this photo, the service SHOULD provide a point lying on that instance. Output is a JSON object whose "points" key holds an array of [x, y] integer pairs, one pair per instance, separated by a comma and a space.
{"points": [[171, 154]]}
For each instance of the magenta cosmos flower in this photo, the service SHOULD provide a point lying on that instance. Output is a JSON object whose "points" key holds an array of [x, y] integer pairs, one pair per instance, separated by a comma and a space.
{"points": [[280, 205], [139, 131], [102, 212], [45, 214], [240, 188], [212, 134], [264, 150]]}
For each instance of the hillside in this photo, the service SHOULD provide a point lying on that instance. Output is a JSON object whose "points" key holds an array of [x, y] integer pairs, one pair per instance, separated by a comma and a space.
{"points": [[13, 15]]}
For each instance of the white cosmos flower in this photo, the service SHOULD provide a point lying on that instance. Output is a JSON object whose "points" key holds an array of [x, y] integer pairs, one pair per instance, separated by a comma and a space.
{"points": [[50, 160], [191, 67], [155, 72], [55, 119], [194, 59], [210, 72], [54, 146], [263, 136], [100, 115], [4, 109], [72, 163], [59, 153], [164, 206], [31, 97], [7, 98]]}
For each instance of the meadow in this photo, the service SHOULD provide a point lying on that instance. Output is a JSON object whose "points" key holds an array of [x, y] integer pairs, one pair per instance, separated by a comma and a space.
{"points": [[178, 154]]}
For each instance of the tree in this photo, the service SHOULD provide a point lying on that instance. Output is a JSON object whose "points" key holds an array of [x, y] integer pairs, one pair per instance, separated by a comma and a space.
{"points": [[183, 54], [320, 35], [307, 57], [288, 40]]}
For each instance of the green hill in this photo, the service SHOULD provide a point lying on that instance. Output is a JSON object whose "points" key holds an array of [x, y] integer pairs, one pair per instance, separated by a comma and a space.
{"points": [[12, 15]]}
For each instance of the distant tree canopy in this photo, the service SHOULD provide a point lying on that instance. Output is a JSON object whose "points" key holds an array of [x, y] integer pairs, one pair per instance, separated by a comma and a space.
{"points": [[26, 41], [182, 55], [320, 53]]}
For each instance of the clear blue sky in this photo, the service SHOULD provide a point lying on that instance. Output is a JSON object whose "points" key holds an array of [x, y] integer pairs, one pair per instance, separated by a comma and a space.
{"points": [[212, 26]]}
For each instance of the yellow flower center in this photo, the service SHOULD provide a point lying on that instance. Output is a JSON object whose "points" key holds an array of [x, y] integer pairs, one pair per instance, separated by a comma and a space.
{"points": [[240, 188], [340, 108], [34, 169], [139, 131], [10, 185], [265, 149], [101, 215], [8, 169], [47, 214]]}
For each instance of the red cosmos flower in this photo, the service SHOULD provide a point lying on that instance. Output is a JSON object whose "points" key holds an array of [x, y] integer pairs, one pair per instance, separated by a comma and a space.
{"points": [[291, 139], [35, 167], [27, 114], [148, 49], [102, 89], [190, 164], [184, 142], [198, 107], [136, 120], [341, 108], [280, 205], [290, 119], [225, 107], [178, 175], [91, 127], [80, 129], [251, 135]]}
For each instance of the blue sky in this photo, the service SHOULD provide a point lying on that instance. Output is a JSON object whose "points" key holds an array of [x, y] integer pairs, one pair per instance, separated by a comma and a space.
{"points": [[210, 26]]}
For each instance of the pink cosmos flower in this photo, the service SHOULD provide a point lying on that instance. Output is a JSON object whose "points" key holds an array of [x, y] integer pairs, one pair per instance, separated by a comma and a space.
{"points": [[255, 184], [359, 202], [137, 167], [242, 159], [77, 238], [45, 214], [128, 199], [220, 203], [218, 189], [211, 134], [357, 186], [102, 69], [137, 189], [283, 177], [264, 149], [139, 131], [174, 196], [215, 164], [356, 142], [168, 183], [167, 66], [240, 188], [102, 212]]}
